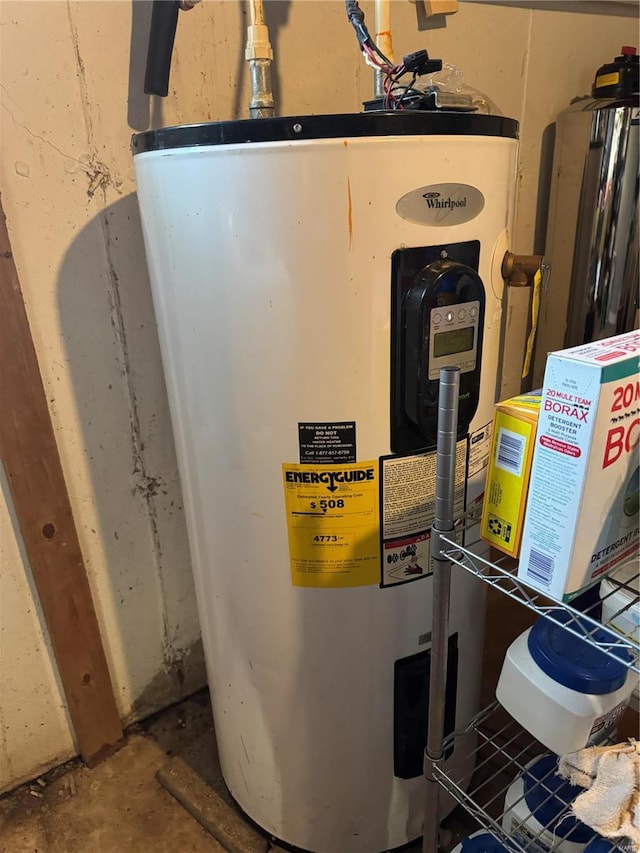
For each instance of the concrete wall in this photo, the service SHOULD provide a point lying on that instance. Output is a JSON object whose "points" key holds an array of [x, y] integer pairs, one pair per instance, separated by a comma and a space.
{"points": [[71, 95]]}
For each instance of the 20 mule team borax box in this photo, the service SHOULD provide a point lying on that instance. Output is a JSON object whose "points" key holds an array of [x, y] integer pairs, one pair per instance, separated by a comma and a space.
{"points": [[582, 509]]}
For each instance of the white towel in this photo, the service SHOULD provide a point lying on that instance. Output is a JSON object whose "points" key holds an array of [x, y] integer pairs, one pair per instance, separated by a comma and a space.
{"points": [[611, 775]]}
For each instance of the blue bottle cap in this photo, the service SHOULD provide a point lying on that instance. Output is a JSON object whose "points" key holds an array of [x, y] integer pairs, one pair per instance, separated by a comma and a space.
{"points": [[483, 842], [548, 797], [574, 662]]}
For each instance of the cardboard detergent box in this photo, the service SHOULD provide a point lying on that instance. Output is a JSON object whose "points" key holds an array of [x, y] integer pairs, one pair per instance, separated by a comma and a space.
{"points": [[514, 433], [582, 509]]}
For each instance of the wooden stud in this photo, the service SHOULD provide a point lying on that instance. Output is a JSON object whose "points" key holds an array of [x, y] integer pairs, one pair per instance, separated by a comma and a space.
{"points": [[32, 465], [440, 7]]}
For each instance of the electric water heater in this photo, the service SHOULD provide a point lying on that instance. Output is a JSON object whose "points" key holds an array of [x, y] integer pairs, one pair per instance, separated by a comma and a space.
{"points": [[311, 275]]}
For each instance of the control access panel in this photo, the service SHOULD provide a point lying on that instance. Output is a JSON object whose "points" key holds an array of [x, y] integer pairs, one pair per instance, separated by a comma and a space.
{"points": [[438, 304]]}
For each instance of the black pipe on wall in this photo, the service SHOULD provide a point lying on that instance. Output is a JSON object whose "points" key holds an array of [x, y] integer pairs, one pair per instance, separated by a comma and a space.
{"points": [[162, 33]]}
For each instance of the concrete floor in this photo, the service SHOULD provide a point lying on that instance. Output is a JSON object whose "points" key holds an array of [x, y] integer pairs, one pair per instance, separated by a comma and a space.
{"points": [[119, 806]]}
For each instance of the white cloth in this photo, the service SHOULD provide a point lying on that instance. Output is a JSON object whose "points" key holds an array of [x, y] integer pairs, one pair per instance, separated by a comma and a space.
{"points": [[611, 775]]}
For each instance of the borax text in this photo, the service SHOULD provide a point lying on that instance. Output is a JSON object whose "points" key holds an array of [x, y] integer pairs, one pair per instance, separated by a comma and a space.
{"points": [[575, 412], [622, 439]]}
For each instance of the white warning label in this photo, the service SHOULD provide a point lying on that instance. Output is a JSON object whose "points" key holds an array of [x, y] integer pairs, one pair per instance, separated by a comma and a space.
{"points": [[479, 449], [408, 489]]}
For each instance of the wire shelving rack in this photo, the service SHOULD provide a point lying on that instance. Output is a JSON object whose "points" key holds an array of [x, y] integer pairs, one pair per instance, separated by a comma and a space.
{"points": [[502, 747]]}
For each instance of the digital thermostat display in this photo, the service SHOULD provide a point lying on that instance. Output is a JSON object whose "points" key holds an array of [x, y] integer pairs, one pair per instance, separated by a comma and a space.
{"points": [[453, 341]]}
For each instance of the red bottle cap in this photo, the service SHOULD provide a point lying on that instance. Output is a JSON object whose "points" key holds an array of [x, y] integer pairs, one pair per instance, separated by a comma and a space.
{"points": [[627, 50]]}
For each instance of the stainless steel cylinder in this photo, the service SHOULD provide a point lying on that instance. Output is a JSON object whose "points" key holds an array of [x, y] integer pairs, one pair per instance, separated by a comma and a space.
{"points": [[592, 234], [604, 284]]}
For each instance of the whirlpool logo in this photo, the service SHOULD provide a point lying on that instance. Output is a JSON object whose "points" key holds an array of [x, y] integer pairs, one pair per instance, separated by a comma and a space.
{"points": [[441, 204], [435, 201]]}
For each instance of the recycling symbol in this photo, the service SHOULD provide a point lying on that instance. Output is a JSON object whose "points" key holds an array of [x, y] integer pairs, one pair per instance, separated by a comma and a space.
{"points": [[495, 526]]}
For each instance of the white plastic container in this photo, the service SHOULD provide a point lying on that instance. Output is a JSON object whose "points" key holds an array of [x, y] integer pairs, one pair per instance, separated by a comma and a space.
{"points": [[562, 690], [538, 801]]}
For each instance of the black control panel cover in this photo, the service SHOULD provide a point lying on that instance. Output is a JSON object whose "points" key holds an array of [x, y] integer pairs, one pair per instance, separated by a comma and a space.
{"points": [[423, 279], [444, 284]]}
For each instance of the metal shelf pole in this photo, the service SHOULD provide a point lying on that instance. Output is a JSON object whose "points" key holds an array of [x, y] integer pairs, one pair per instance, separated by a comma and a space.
{"points": [[443, 523]]}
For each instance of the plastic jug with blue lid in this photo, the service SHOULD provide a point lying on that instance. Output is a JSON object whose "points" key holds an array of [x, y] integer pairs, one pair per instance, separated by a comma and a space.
{"points": [[574, 662], [548, 797]]}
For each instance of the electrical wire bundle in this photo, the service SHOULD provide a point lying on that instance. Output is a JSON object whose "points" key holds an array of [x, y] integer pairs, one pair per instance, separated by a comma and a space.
{"points": [[392, 73], [390, 87], [395, 95]]}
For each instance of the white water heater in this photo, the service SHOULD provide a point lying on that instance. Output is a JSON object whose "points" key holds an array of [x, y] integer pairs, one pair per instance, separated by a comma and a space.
{"points": [[310, 276]]}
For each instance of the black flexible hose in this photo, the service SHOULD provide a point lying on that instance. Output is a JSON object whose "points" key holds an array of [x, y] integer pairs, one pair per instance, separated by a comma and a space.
{"points": [[162, 33], [356, 19]]}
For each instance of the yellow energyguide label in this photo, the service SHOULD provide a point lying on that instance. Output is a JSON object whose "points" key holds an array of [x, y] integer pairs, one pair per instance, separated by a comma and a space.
{"points": [[333, 524], [607, 80]]}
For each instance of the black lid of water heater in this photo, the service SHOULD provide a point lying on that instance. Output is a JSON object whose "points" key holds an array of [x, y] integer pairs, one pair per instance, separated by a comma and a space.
{"points": [[288, 128]]}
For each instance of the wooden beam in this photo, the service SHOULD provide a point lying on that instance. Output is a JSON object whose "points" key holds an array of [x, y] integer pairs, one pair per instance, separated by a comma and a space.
{"points": [[440, 7], [226, 824], [32, 465]]}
